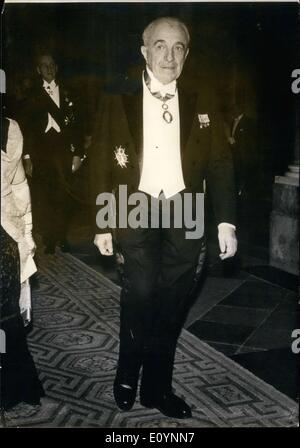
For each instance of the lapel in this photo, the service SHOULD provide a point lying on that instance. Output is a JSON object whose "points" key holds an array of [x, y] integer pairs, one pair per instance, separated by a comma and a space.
{"points": [[63, 94], [61, 97], [187, 105], [133, 105]]}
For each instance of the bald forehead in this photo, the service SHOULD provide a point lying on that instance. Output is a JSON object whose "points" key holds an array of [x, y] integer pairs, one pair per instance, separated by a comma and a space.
{"points": [[165, 28], [45, 58]]}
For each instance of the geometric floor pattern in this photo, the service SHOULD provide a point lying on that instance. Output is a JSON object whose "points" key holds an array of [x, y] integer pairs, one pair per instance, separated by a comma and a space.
{"points": [[74, 342]]}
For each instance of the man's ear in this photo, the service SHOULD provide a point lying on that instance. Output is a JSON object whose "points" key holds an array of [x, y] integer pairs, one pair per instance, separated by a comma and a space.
{"points": [[38, 70], [186, 54], [144, 52]]}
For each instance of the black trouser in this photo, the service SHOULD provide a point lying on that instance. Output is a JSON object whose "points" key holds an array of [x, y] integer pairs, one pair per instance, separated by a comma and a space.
{"points": [[159, 273], [51, 187]]}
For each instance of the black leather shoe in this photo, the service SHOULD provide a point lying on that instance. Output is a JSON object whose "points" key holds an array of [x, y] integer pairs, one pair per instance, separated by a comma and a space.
{"points": [[64, 246], [124, 395], [49, 249], [169, 405]]}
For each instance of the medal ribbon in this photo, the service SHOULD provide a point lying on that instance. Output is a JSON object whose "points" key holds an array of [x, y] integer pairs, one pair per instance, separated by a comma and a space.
{"points": [[167, 116]]}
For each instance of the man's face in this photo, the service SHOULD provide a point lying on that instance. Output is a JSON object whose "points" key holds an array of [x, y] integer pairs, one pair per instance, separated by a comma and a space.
{"points": [[166, 51], [47, 68]]}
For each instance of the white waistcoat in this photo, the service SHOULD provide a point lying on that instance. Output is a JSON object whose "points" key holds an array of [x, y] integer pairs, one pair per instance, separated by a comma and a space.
{"points": [[161, 169]]}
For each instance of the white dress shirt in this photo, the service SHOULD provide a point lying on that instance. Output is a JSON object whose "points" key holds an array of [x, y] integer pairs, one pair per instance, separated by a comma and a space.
{"points": [[161, 169], [53, 91]]}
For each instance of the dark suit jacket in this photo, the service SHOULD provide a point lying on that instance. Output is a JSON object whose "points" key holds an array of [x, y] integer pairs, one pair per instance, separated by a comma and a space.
{"points": [[245, 154], [38, 105], [205, 152]]}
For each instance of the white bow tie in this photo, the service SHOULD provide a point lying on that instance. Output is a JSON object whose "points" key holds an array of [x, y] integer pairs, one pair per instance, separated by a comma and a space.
{"points": [[49, 87], [156, 86]]}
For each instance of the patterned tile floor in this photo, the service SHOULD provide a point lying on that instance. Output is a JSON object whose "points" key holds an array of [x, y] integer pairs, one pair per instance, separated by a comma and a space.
{"points": [[253, 325], [245, 309], [74, 342]]}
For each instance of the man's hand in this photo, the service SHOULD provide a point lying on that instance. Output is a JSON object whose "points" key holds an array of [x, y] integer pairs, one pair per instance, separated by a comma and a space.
{"points": [[104, 243], [28, 167], [227, 241], [76, 163]]}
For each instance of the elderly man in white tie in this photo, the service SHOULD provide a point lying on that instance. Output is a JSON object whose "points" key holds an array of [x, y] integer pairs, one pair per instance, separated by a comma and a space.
{"points": [[52, 153], [162, 142]]}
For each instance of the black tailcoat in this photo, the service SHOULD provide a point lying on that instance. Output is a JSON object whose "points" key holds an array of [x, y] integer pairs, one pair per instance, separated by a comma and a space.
{"points": [[51, 153], [205, 152], [160, 265]]}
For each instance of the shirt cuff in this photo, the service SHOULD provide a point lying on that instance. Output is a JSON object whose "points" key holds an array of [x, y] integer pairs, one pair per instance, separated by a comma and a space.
{"points": [[222, 224], [26, 156]]}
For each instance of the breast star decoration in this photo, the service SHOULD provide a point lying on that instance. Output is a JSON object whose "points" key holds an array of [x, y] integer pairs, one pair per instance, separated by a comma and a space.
{"points": [[69, 116], [121, 156], [203, 120]]}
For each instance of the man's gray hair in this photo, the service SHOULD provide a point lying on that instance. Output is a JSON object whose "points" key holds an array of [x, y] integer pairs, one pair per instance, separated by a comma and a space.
{"points": [[171, 21]]}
